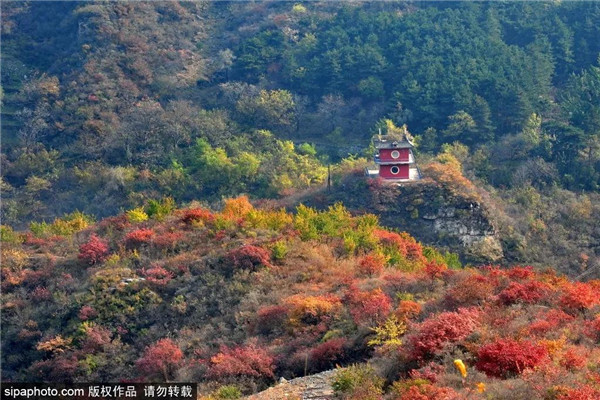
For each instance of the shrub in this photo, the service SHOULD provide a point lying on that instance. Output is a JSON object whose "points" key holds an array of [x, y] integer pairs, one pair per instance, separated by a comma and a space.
{"points": [[167, 240], [326, 355], [279, 250], [357, 382], [443, 329], [139, 237], [157, 275], [159, 209], [271, 318], [137, 215], [574, 358], [228, 392], [507, 357], [311, 310], [578, 296], [192, 215], [408, 309], [41, 294], [237, 208], [422, 389], [584, 392], [371, 264], [249, 257], [528, 292], [472, 290], [435, 270], [389, 333], [368, 307], [242, 361], [521, 273], [87, 312], [160, 359], [94, 251]]}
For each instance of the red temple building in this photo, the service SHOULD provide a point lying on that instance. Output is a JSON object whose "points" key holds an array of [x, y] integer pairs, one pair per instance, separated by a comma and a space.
{"points": [[395, 158]]}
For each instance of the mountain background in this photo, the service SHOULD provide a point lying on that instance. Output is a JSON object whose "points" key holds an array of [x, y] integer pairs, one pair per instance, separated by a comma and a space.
{"points": [[166, 213]]}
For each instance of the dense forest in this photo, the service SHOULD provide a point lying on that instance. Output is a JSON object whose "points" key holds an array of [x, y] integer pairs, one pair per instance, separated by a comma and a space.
{"points": [[151, 118]]}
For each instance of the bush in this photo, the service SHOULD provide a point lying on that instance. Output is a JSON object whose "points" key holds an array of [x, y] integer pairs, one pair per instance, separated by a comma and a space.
{"points": [[249, 257], [507, 357], [242, 361], [228, 392], [137, 215], [422, 389], [368, 307], [371, 264], [160, 359], [94, 251], [159, 209], [443, 329], [157, 275], [529, 292], [311, 310], [327, 355], [192, 215], [578, 296], [358, 382], [139, 237]]}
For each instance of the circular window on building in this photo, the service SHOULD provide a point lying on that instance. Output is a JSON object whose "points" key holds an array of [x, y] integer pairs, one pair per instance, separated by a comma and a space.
{"points": [[395, 154], [395, 170]]}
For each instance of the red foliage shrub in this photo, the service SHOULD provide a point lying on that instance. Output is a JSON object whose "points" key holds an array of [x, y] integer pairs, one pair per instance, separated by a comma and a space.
{"points": [[507, 357], [58, 369], [430, 372], [167, 240], [197, 214], [250, 360], [160, 359], [139, 237], [427, 391], [93, 251], [528, 292], [87, 312], [578, 296], [271, 318], [584, 392], [31, 240], [435, 270], [592, 328], [249, 257], [371, 264], [368, 307], [438, 331], [520, 273], [574, 358], [157, 275], [540, 327], [408, 309], [41, 294], [327, 355], [471, 290], [96, 337]]}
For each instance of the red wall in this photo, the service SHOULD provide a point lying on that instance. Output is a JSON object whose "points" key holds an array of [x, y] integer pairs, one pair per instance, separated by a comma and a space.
{"points": [[385, 155], [386, 173]]}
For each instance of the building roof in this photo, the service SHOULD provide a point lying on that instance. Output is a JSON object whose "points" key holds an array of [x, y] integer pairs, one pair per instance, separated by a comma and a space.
{"points": [[393, 141]]}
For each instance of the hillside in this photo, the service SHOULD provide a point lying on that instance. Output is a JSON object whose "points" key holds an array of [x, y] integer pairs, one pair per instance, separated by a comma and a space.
{"points": [[244, 296], [125, 102]]}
